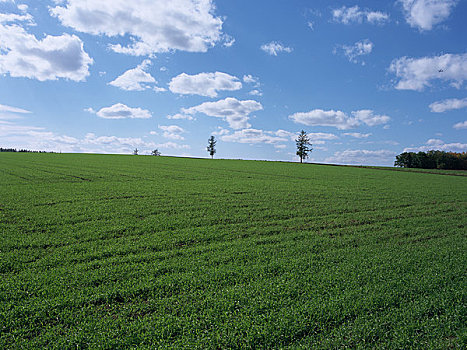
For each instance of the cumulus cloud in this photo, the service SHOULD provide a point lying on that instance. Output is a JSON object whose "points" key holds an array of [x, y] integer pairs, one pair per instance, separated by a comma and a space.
{"points": [[274, 47], [235, 112], [348, 15], [319, 117], [180, 116], [355, 51], [50, 58], [425, 14], [368, 117], [151, 25], [172, 132], [448, 105], [339, 119], [417, 73], [255, 92], [137, 79], [357, 135], [121, 111], [249, 79], [221, 131], [436, 144], [362, 157], [204, 84], [254, 136], [460, 125]]}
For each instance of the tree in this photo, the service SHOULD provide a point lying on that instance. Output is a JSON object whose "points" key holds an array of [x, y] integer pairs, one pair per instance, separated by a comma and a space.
{"points": [[156, 152], [303, 146], [135, 152], [211, 146]]}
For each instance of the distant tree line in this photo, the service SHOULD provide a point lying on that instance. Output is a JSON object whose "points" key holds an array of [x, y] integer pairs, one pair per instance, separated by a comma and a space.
{"points": [[432, 160], [20, 150]]}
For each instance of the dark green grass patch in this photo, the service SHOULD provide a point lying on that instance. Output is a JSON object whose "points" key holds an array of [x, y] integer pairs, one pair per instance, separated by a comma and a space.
{"points": [[154, 252]]}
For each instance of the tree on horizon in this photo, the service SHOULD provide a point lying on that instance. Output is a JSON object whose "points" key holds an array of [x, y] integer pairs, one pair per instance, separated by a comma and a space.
{"points": [[303, 145], [211, 146]]}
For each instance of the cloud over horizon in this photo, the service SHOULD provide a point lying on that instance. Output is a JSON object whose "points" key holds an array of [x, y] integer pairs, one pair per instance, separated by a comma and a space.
{"points": [[339, 119], [235, 112]]}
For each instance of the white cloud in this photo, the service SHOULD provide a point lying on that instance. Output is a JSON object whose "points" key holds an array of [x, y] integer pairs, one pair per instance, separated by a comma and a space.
{"points": [[23, 7], [137, 79], [360, 48], [235, 112], [448, 105], [369, 118], [204, 84], [50, 58], [220, 131], [436, 144], [253, 136], [271, 137], [36, 138], [460, 125], [255, 92], [274, 47], [228, 40], [362, 157], [13, 17], [416, 73], [11, 113], [9, 109], [357, 135], [348, 15], [121, 111], [315, 136], [249, 79], [172, 145], [339, 119], [425, 14], [151, 25], [8, 128], [319, 117], [180, 116], [172, 132]]}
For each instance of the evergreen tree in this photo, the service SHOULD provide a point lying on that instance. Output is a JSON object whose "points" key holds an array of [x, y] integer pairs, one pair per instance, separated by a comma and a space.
{"points": [[211, 146], [303, 146]]}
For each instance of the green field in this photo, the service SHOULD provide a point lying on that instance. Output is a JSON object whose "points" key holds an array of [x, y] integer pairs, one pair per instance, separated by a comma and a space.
{"points": [[108, 251]]}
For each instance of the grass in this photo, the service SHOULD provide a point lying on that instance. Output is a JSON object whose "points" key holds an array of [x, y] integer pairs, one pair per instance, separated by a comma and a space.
{"points": [[113, 252]]}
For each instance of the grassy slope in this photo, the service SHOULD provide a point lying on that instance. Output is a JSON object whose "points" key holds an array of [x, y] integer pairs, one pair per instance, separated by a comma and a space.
{"points": [[120, 251]]}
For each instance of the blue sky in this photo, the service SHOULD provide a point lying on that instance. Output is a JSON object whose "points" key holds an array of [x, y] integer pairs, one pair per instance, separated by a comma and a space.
{"points": [[366, 79]]}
